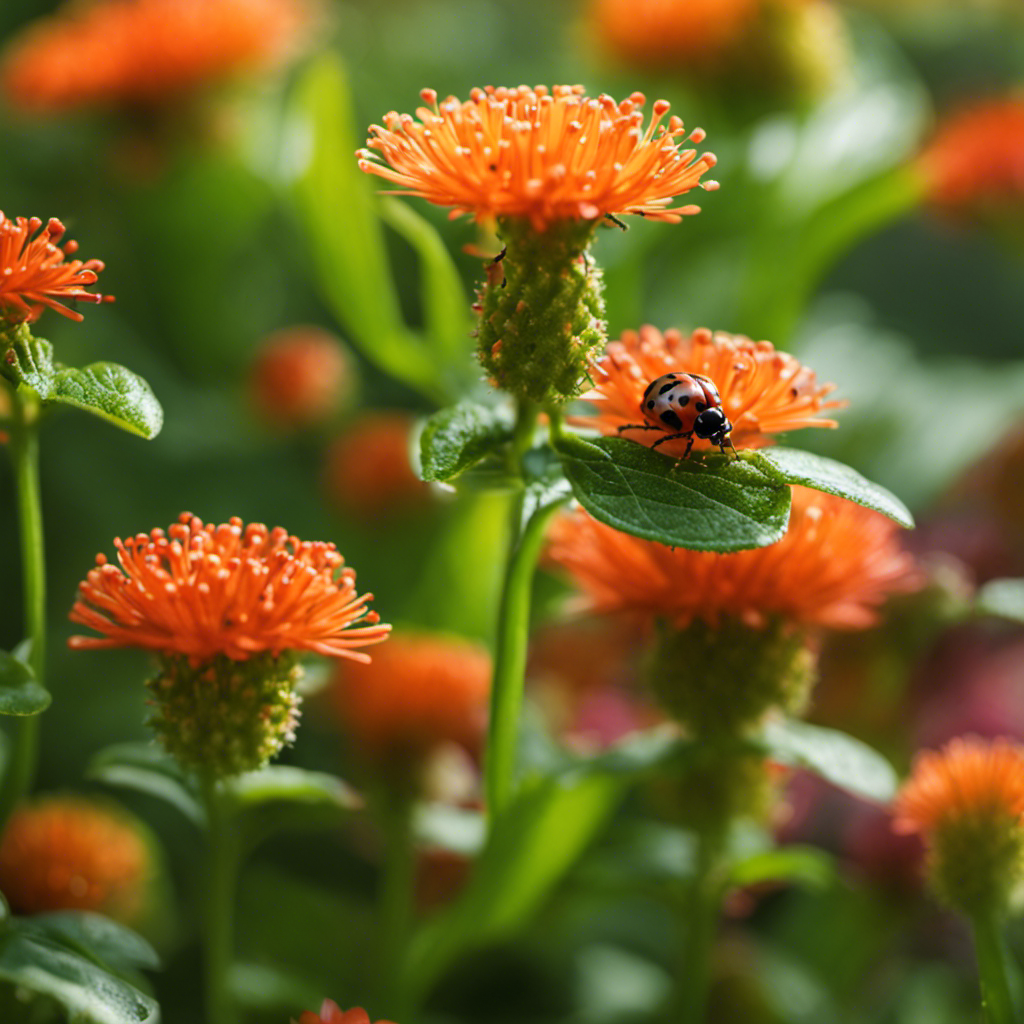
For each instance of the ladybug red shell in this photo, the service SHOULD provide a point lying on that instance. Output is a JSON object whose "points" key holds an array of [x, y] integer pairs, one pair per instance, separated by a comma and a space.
{"points": [[684, 405]]}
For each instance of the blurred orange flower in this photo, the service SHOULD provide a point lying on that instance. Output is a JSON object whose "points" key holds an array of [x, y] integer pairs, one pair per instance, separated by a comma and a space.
{"points": [[300, 376], [368, 472], [544, 154], [331, 1013], [970, 778], [835, 565], [33, 274], [764, 392], [144, 52], [67, 853], [419, 692], [976, 159], [202, 590]]}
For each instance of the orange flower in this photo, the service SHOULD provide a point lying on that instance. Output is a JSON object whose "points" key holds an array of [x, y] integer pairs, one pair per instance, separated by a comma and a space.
{"points": [[331, 1013], [419, 692], [970, 778], [976, 160], [233, 590], [835, 565], [300, 376], [144, 52], [66, 853], [764, 392], [33, 273], [544, 154], [664, 32], [368, 473]]}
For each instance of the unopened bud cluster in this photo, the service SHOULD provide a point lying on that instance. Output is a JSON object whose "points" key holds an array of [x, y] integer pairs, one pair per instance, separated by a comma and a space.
{"points": [[225, 717], [541, 311]]}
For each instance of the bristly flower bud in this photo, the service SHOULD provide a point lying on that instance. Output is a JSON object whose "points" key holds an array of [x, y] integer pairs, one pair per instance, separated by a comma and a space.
{"points": [[543, 316], [720, 681], [224, 717]]}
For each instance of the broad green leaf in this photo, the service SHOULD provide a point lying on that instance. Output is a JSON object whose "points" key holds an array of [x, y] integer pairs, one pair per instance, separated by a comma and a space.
{"points": [[840, 759], [90, 994], [96, 937], [532, 847], [1002, 599], [20, 694], [286, 784], [341, 215], [718, 504], [272, 989], [645, 753], [146, 769], [106, 390], [796, 467], [800, 865], [458, 437], [445, 306], [457, 829]]}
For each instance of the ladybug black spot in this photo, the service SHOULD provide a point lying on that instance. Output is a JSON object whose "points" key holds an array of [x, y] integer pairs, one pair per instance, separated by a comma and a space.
{"points": [[700, 406], [649, 388], [666, 387], [684, 401], [650, 405], [671, 419]]}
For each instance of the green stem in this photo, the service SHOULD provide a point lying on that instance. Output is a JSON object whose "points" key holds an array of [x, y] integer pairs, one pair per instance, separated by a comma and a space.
{"points": [[396, 896], [513, 629], [703, 909], [997, 996], [222, 857], [24, 731]]}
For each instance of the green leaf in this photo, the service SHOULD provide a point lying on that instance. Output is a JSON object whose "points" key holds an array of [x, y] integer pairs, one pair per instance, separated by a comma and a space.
{"points": [[840, 759], [20, 694], [146, 769], [96, 937], [1002, 599], [717, 505], [458, 437], [533, 845], [797, 467], [445, 306], [801, 865], [458, 829], [90, 994], [106, 390], [341, 215]]}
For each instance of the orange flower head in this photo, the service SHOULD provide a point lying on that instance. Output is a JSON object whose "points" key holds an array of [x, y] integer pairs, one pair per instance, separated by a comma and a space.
{"points": [[33, 274], [144, 53], [975, 162], [200, 591], [331, 1013], [421, 691], [969, 778], [764, 391], [546, 155], [968, 802], [667, 32], [368, 473], [67, 853], [836, 564], [300, 377]]}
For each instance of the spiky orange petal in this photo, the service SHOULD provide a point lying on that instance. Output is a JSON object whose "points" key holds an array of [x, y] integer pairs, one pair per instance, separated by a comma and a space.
{"points": [[202, 590], [764, 391], [543, 154], [331, 1013], [835, 565], [33, 274]]}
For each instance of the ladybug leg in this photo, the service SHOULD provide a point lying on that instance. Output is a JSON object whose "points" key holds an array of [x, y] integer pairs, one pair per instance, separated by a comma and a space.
{"points": [[675, 437], [639, 426]]}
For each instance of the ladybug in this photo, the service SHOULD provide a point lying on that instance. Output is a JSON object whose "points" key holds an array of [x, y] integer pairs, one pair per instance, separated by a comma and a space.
{"points": [[684, 405]]}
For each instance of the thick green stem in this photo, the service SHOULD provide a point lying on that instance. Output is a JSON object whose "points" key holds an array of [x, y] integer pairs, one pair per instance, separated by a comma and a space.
{"points": [[24, 732], [703, 909], [997, 994], [396, 896], [513, 629], [222, 857]]}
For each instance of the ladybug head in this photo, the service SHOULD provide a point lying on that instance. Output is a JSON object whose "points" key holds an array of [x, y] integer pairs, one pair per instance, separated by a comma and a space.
{"points": [[712, 424]]}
